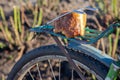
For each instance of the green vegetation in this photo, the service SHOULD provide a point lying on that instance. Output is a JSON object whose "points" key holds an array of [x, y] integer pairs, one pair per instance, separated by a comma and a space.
{"points": [[15, 29], [109, 12], [17, 35]]}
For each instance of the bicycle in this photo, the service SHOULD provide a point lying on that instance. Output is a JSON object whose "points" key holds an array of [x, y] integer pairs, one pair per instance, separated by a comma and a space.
{"points": [[77, 53]]}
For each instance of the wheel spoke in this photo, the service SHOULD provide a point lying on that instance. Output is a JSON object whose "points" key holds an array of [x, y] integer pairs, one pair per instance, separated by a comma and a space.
{"points": [[31, 75], [59, 68], [39, 71], [72, 78], [81, 70], [51, 70]]}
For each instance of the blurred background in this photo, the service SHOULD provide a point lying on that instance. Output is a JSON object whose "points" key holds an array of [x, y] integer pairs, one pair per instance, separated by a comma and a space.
{"points": [[18, 16]]}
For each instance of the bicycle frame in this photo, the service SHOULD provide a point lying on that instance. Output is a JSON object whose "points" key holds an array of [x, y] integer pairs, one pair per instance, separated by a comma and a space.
{"points": [[113, 71]]}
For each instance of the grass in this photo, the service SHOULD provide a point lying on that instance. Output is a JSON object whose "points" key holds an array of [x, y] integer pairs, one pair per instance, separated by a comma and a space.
{"points": [[22, 36], [5, 30], [2, 45], [17, 34], [109, 12]]}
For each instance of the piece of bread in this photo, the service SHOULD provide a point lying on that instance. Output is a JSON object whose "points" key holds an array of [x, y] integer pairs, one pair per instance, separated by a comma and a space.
{"points": [[71, 25]]}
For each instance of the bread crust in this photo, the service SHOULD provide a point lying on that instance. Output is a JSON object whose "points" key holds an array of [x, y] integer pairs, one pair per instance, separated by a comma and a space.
{"points": [[71, 25]]}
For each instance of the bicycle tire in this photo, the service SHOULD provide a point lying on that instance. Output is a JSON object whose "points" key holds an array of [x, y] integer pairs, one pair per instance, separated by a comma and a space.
{"points": [[88, 62]]}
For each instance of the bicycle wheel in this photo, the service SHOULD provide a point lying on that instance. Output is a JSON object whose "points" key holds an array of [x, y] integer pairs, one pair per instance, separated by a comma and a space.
{"points": [[40, 64]]}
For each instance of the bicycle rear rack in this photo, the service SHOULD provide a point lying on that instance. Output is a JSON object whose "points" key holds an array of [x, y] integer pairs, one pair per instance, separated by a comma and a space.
{"points": [[91, 36]]}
